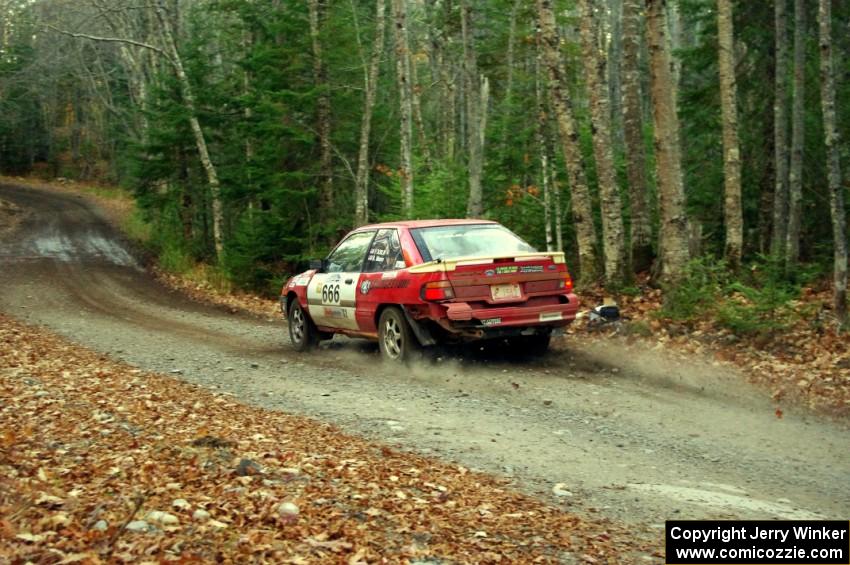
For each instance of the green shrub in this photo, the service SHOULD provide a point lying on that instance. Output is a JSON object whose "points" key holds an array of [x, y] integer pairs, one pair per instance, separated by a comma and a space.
{"points": [[698, 291], [762, 303], [136, 228], [174, 259], [760, 311]]}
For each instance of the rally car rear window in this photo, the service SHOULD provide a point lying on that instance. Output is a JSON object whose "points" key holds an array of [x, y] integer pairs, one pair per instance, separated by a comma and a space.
{"points": [[468, 240]]}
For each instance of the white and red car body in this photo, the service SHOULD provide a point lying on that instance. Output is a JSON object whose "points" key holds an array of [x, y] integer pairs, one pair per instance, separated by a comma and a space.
{"points": [[449, 299]]}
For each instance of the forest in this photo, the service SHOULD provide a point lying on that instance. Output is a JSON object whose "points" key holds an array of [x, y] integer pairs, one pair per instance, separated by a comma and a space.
{"points": [[677, 139]]}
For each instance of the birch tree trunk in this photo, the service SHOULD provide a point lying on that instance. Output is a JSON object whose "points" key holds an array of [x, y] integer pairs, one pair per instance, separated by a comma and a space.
{"points": [[833, 162], [640, 229], [406, 122], [416, 100], [795, 176], [674, 39], [361, 184], [197, 131], [780, 131], [442, 71], [543, 147], [450, 111], [673, 242], [581, 204], [732, 214], [509, 82], [613, 239], [559, 215], [615, 69], [475, 115], [323, 112]]}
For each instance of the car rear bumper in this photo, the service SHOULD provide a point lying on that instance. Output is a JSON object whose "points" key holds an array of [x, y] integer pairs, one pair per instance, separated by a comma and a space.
{"points": [[463, 315]]}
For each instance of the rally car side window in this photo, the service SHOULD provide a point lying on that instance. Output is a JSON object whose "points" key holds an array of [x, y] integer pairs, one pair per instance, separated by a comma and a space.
{"points": [[385, 253], [348, 256]]}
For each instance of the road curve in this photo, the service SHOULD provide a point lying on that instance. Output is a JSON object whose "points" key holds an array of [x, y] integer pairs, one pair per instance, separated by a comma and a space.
{"points": [[631, 435]]}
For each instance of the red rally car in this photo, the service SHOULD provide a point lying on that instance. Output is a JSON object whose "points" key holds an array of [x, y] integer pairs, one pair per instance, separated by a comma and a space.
{"points": [[418, 283]]}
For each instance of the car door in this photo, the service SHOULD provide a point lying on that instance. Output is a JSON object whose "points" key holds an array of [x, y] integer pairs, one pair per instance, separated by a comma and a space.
{"points": [[380, 281], [332, 293]]}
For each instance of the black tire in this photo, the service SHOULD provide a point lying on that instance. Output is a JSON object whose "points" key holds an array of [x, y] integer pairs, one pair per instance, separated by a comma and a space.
{"points": [[395, 338], [302, 331], [530, 345]]}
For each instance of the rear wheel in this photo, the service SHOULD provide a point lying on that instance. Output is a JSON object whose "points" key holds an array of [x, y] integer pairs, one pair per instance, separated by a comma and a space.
{"points": [[395, 338], [302, 331]]}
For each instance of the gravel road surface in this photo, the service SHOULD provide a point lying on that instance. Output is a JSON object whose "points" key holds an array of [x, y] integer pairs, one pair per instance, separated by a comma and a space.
{"points": [[633, 435]]}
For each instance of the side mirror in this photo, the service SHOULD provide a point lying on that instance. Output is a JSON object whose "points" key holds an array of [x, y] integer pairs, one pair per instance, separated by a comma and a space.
{"points": [[317, 265]]}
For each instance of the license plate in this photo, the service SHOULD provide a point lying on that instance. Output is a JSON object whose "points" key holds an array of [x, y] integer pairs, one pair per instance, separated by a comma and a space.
{"points": [[505, 291], [551, 316]]}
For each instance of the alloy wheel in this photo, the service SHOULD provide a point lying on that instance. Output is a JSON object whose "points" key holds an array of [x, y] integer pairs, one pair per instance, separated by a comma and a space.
{"points": [[393, 338], [296, 324]]}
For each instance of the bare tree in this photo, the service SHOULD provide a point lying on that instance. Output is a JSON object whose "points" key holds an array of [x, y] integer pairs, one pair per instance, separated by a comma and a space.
{"points": [[170, 53], [406, 123], [733, 216], [323, 110], [541, 133], [476, 91], [581, 204], [780, 131], [612, 39], [370, 80], [640, 229], [509, 81], [833, 162], [795, 176], [673, 29], [594, 58], [674, 222], [129, 23], [198, 133], [416, 101], [443, 73]]}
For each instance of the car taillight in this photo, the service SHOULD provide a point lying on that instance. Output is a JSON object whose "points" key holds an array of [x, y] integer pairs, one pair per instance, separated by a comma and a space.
{"points": [[567, 282], [437, 290]]}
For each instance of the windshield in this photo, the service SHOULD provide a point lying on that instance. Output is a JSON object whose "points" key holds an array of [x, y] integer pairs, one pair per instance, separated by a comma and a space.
{"points": [[469, 240]]}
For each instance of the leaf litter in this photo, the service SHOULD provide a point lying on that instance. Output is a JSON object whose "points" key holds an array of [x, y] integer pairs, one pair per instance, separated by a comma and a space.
{"points": [[103, 462]]}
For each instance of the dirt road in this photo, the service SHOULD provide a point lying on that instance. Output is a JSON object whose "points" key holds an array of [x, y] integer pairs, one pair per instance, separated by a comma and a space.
{"points": [[631, 435]]}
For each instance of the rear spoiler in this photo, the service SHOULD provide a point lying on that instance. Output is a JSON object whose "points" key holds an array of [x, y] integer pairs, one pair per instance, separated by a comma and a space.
{"points": [[446, 265]]}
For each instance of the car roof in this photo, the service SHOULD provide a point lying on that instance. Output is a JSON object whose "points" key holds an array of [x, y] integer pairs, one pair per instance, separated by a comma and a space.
{"points": [[426, 223]]}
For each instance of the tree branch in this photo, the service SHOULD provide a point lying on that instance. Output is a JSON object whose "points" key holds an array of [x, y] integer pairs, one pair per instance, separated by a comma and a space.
{"points": [[121, 40]]}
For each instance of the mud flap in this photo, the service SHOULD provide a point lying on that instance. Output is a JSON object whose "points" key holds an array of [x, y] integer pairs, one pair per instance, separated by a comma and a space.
{"points": [[423, 335]]}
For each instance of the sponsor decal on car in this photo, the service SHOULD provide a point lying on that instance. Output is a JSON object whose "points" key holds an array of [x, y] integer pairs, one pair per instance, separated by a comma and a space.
{"points": [[336, 313], [491, 321], [389, 274], [489, 272], [531, 269], [506, 270], [391, 283], [368, 285]]}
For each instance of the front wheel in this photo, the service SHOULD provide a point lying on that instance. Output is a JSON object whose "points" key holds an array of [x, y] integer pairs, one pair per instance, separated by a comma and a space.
{"points": [[302, 331], [395, 338]]}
